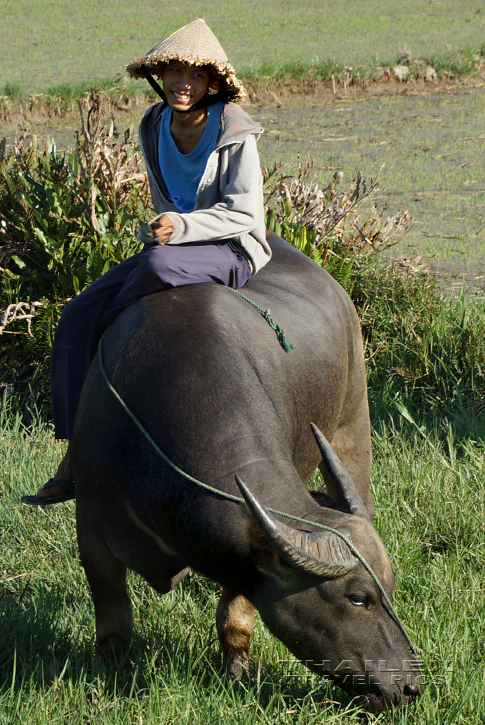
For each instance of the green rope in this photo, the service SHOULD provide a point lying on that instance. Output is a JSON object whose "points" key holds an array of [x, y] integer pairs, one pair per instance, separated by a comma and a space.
{"points": [[414, 648], [280, 333]]}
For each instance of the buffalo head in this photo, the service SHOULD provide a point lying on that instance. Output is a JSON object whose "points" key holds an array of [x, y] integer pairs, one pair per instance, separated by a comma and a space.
{"points": [[320, 600]]}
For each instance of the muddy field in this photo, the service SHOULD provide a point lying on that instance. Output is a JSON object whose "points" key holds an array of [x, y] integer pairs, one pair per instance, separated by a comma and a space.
{"points": [[432, 147], [431, 144]]}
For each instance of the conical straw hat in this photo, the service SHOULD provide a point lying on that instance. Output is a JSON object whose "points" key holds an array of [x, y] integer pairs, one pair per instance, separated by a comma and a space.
{"points": [[196, 44]]}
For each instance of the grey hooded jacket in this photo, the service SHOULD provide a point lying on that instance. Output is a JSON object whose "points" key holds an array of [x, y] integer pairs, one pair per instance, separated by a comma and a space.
{"points": [[229, 199]]}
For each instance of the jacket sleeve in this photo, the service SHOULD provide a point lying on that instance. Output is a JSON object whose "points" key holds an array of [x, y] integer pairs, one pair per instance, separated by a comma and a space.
{"points": [[236, 213]]}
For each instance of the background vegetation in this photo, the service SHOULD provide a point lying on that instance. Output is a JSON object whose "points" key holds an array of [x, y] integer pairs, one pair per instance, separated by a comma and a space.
{"points": [[66, 218]]}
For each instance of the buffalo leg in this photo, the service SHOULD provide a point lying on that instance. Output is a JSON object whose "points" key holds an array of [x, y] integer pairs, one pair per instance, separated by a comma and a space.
{"points": [[106, 577], [235, 625]]}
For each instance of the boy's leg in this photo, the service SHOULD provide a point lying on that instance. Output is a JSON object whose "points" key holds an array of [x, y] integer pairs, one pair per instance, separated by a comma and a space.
{"points": [[84, 320], [76, 341], [164, 266]]}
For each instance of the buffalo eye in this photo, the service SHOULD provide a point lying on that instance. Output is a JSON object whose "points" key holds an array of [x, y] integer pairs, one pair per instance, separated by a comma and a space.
{"points": [[359, 600]]}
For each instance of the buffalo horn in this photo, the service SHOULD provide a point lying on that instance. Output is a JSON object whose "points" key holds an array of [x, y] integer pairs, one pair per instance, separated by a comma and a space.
{"points": [[318, 552], [342, 483]]}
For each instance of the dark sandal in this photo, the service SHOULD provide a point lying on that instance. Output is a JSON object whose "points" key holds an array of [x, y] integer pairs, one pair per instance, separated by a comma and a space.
{"points": [[69, 492]]}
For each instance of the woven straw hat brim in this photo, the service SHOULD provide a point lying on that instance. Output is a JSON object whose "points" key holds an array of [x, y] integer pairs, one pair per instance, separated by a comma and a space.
{"points": [[194, 44]]}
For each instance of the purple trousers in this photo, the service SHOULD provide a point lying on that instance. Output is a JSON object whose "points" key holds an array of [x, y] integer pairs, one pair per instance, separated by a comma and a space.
{"points": [[86, 317]]}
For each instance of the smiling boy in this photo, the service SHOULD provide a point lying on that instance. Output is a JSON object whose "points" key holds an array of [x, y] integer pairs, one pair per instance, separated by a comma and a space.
{"points": [[206, 185]]}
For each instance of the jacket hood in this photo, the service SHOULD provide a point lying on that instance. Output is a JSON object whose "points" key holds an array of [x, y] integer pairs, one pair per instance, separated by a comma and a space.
{"points": [[236, 125]]}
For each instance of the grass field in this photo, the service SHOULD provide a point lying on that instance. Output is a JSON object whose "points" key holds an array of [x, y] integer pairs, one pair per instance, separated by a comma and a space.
{"points": [[427, 476], [430, 513], [53, 42]]}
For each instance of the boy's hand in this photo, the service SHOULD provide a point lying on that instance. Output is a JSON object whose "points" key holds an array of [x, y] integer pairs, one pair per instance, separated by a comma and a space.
{"points": [[161, 228]]}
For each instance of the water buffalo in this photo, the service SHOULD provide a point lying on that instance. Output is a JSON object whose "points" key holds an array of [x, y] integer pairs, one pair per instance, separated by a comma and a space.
{"points": [[205, 374]]}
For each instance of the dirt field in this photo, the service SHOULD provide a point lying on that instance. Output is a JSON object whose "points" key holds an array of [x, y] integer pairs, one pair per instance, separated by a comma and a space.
{"points": [[430, 139], [432, 146]]}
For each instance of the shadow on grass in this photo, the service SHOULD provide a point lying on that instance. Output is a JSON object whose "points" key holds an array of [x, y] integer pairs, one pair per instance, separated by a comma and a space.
{"points": [[49, 644], [38, 636]]}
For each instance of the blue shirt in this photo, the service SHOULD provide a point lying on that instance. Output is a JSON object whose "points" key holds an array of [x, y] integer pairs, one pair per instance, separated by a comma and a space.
{"points": [[182, 172]]}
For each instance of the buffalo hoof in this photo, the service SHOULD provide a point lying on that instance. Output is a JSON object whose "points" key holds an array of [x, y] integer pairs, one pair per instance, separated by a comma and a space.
{"points": [[112, 648], [237, 666]]}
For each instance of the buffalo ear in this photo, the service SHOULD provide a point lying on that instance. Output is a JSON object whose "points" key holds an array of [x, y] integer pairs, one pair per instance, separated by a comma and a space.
{"points": [[321, 553], [267, 559]]}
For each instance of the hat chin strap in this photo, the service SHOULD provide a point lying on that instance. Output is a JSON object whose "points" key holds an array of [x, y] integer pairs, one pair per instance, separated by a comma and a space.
{"points": [[203, 103], [156, 87]]}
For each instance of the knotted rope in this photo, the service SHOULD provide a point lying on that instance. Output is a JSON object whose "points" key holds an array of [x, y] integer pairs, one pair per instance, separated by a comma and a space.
{"points": [[280, 333]]}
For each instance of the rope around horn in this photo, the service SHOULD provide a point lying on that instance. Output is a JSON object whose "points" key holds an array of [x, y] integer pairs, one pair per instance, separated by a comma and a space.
{"points": [[237, 499]]}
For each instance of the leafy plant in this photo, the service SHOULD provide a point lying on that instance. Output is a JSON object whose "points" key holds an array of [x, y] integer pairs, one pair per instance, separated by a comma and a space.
{"points": [[66, 219], [424, 349], [331, 225]]}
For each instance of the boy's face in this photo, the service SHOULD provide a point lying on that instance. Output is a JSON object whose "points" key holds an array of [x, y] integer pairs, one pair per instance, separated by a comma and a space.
{"points": [[184, 85]]}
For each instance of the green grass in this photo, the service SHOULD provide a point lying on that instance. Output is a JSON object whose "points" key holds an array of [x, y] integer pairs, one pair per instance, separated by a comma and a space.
{"points": [[13, 91], [425, 350], [292, 70], [61, 99], [430, 513], [459, 62], [52, 43], [75, 91]]}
